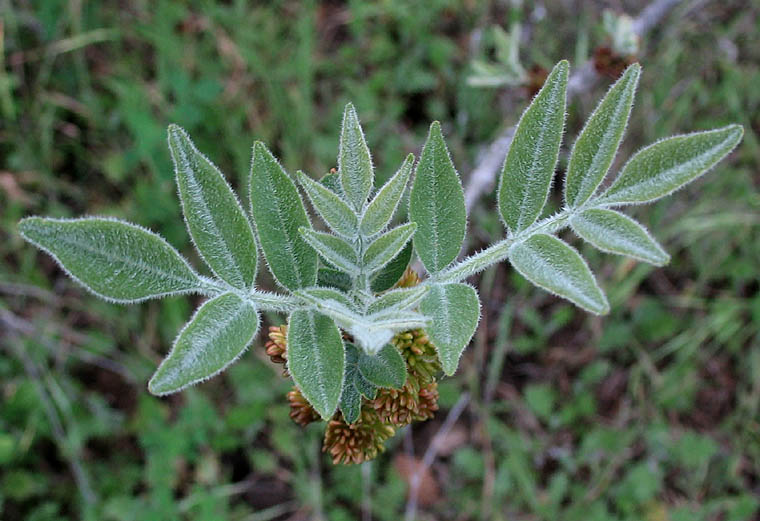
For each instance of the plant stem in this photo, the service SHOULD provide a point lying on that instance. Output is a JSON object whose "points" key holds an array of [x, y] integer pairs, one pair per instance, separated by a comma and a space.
{"points": [[499, 251]]}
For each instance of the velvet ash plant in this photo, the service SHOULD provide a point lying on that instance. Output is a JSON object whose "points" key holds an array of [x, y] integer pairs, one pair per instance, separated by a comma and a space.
{"points": [[366, 339]]}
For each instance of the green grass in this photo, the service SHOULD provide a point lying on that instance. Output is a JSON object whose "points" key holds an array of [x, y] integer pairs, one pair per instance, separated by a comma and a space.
{"points": [[651, 413]]}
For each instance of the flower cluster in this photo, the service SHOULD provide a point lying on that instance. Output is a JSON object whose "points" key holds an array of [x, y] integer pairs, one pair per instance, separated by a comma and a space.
{"points": [[364, 439]]}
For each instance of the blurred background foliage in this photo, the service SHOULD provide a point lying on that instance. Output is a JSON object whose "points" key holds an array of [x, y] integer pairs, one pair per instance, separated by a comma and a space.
{"points": [[651, 413]]}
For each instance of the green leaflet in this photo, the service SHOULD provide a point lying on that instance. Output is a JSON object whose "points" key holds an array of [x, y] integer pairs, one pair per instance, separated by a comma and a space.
{"points": [[383, 249], [216, 222], [319, 295], [316, 359], [215, 337], [333, 249], [364, 387], [278, 213], [615, 232], [354, 161], [599, 140], [436, 205], [454, 312], [331, 181], [384, 369], [667, 165], [529, 166], [390, 274], [398, 299], [553, 265], [115, 260], [350, 397], [380, 211], [337, 214], [333, 278]]}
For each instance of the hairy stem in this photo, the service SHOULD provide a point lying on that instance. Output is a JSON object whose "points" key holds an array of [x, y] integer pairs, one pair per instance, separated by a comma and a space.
{"points": [[499, 251]]}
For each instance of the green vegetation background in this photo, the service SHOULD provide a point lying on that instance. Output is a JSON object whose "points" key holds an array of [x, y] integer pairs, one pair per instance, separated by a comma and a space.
{"points": [[651, 413]]}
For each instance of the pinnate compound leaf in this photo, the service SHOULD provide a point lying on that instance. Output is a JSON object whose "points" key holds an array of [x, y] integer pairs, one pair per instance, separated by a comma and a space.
{"points": [[615, 232], [665, 166], [383, 249], [384, 369], [436, 205], [316, 359], [454, 312], [215, 337], [333, 249], [278, 213], [556, 267], [380, 211], [337, 214], [216, 222], [599, 140], [529, 166], [390, 274], [354, 160], [117, 261]]}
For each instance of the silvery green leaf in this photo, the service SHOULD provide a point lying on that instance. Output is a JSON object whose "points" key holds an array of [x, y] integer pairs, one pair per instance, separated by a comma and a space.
{"points": [[362, 385], [215, 337], [318, 295], [331, 181], [398, 299], [335, 306], [399, 321], [350, 399], [599, 140], [278, 213], [333, 278], [216, 222], [384, 369], [615, 232], [436, 205], [553, 265], [453, 311], [115, 260], [390, 274], [354, 161], [667, 165], [380, 211], [383, 249], [529, 165], [333, 249], [316, 359], [367, 389], [337, 214]]}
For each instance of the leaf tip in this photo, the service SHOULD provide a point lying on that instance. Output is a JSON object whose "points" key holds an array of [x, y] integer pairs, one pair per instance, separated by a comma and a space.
{"points": [[157, 387], [176, 135], [562, 67], [736, 131], [349, 112]]}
